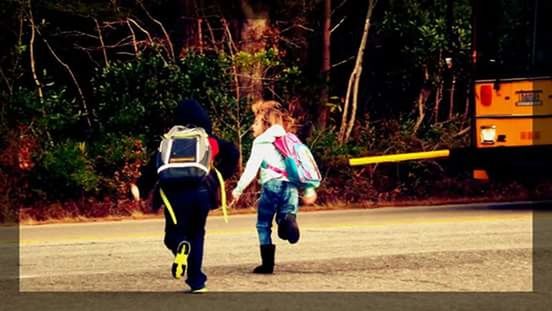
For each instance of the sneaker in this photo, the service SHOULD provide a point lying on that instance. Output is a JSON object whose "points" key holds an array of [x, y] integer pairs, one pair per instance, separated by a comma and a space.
{"points": [[181, 260], [291, 228], [199, 290]]}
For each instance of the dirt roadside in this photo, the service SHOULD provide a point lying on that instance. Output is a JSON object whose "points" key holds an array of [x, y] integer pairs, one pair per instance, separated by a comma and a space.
{"points": [[337, 205]]}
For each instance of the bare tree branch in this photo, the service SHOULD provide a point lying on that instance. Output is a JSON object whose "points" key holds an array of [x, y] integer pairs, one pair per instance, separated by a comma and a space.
{"points": [[74, 33], [305, 28], [217, 45], [343, 61], [133, 35], [31, 53], [338, 24], [200, 35], [104, 52], [422, 99], [125, 53], [19, 41], [33, 68], [231, 44], [451, 96], [347, 127], [126, 41], [141, 28], [72, 75], [344, 116], [291, 43], [339, 6], [462, 132], [167, 37], [10, 90], [87, 51]]}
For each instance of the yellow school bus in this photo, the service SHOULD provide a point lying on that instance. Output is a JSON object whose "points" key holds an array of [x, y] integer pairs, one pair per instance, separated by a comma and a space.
{"points": [[511, 101], [512, 88], [514, 112]]}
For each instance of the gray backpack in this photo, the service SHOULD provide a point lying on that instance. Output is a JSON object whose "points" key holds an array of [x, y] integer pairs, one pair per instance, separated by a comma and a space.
{"points": [[184, 155]]}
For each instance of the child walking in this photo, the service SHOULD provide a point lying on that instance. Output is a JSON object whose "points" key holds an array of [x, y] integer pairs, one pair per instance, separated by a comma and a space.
{"points": [[190, 204], [289, 124], [278, 196]]}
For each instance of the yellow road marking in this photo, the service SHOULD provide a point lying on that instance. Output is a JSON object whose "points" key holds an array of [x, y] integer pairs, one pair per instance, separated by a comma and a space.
{"points": [[328, 226]]}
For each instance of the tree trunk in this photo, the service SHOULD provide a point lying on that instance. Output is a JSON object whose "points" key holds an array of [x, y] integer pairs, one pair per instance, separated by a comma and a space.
{"points": [[439, 88], [421, 102], [187, 31], [451, 96], [354, 81], [466, 106], [438, 99], [326, 65], [422, 99], [254, 28]]}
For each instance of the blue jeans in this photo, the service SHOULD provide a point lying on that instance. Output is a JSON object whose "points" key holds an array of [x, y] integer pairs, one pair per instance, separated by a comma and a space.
{"points": [[277, 197]]}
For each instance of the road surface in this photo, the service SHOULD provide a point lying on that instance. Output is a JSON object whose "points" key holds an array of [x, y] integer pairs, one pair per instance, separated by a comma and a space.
{"points": [[442, 248]]}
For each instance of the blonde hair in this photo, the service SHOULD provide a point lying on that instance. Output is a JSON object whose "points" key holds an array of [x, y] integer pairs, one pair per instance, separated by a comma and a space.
{"points": [[272, 113], [269, 117], [261, 105]]}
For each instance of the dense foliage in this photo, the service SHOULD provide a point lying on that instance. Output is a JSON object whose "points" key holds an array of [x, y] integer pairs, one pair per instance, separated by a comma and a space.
{"points": [[87, 88]]}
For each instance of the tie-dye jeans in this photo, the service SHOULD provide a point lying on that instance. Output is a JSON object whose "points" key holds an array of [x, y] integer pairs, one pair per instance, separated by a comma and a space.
{"points": [[277, 198]]}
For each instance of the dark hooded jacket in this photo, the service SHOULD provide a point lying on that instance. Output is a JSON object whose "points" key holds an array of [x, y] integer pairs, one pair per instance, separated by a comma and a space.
{"points": [[190, 113]]}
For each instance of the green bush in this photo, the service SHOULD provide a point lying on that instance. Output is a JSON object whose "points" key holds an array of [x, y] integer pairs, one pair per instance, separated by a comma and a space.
{"points": [[113, 151], [207, 79], [55, 115], [65, 170], [137, 97]]}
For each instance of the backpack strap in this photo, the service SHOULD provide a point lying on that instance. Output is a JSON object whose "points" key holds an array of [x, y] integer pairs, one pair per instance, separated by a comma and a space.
{"points": [[223, 204], [278, 145], [167, 205], [276, 169]]}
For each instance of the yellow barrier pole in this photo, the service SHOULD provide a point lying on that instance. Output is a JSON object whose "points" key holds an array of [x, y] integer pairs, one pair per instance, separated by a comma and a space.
{"points": [[400, 157]]}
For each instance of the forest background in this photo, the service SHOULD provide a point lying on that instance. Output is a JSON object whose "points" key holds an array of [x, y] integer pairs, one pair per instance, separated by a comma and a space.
{"points": [[88, 87]]}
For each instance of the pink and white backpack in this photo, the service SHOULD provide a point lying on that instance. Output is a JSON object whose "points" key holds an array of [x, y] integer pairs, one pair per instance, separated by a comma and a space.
{"points": [[301, 168]]}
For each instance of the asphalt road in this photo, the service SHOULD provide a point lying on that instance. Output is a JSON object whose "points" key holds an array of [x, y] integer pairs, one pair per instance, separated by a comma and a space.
{"points": [[444, 248]]}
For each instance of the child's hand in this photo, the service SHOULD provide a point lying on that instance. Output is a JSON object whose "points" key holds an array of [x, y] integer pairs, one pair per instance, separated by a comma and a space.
{"points": [[309, 197], [135, 192], [235, 195]]}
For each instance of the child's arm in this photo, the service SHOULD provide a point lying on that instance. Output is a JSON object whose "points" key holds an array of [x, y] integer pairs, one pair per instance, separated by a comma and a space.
{"points": [[227, 160], [147, 179], [251, 169]]}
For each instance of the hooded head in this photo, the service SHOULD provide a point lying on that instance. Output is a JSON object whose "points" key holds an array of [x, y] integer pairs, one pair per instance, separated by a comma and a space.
{"points": [[191, 113]]}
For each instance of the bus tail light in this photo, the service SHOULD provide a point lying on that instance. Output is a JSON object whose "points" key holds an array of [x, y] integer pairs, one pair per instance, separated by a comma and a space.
{"points": [[486, 92], [488, 134]]}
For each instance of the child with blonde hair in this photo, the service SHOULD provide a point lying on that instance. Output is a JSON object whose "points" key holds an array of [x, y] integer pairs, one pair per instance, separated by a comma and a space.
{"points": [[261, 105], [290, 125], [278, 195], [288, 122]]}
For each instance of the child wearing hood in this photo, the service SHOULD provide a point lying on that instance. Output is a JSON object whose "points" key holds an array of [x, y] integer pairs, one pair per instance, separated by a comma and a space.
{"points": [[190, 203], [278, 196]]}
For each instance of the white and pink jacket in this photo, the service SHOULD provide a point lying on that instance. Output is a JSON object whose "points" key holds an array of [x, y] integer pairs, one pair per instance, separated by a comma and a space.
{"points": [[263, 155]]}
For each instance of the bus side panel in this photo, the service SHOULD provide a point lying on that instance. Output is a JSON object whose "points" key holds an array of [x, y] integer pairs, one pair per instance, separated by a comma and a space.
{"points": [[519, 110], [513, 132]]}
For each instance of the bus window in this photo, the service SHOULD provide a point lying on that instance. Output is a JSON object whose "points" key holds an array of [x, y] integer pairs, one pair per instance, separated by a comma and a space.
{"points": [[512, 38]]}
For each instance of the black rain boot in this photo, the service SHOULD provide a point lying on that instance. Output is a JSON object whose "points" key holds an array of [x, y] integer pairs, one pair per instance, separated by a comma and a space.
{"points": [[289, 228], [267, 256], [282, 230]]}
